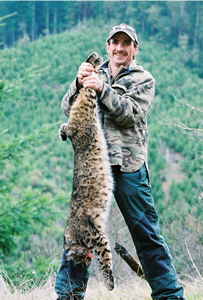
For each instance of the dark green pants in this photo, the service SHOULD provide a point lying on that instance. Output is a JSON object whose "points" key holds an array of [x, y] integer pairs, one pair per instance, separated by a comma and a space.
{"points": [[134, 198]]}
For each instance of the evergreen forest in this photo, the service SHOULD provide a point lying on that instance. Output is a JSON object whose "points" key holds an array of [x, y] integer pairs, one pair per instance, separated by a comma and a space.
{"points": [[42, 45]]}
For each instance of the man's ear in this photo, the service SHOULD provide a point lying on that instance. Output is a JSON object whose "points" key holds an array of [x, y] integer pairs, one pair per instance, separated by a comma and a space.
{"points": [[135, 51], [107, 47]]}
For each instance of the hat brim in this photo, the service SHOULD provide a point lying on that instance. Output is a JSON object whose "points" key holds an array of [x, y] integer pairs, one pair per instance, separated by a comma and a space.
{"points": [[132, 38]]}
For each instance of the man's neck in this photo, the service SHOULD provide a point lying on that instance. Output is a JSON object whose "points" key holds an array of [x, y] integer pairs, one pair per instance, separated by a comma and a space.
{"points": [[116, 70], [113, 69]]}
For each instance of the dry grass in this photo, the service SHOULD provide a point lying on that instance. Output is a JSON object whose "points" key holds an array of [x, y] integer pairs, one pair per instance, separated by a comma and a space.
{"points": [[136, 289]]}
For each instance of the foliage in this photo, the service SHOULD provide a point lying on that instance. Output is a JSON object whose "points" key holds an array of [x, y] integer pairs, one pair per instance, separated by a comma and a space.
{"points": [[23, 212], [173, 23]]}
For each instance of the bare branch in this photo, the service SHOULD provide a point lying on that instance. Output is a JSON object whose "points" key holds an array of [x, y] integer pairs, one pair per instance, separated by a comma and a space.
{"points": [[193, 261], [194, 131], [187, 104], [8, 16]]}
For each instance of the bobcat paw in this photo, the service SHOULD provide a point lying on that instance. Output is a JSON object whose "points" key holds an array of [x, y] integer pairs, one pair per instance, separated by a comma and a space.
{"points": [[109, 282], [94, 59], [62, 132]]}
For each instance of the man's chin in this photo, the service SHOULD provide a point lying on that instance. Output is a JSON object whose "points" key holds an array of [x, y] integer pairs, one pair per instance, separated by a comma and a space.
{"points": [[119, 57], [120, 60]]}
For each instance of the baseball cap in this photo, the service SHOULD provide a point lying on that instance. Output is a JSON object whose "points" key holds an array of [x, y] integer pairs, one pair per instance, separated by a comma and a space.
{"points": [[130, 31]]}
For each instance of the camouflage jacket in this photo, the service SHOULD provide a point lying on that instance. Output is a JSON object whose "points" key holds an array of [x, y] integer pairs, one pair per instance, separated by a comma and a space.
{"points": [[124, 103]]}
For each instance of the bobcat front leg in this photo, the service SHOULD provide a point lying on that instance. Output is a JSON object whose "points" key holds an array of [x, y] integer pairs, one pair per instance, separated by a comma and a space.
{"points": [[105, 262]]}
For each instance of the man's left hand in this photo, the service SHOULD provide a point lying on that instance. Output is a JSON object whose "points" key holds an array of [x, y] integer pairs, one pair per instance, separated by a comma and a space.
{"points": [[92, 81]]}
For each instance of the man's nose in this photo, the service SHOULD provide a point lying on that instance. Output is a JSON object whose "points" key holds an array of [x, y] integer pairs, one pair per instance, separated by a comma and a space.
{"points": [[119, 47]]}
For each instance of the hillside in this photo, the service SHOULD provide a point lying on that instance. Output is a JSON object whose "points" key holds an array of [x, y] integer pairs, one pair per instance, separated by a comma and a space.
{"points": [[42, 71]]}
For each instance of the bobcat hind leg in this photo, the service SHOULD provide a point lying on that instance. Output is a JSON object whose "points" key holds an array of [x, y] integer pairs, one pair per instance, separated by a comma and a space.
{"points": [[63, 132], [94, 59]]}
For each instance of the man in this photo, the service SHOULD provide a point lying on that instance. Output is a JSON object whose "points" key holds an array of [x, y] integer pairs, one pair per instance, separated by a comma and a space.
{"points": [[125, 94]]}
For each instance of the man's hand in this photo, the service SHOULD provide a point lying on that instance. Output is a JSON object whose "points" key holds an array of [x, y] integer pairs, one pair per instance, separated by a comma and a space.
{"points": [[92, 81], [88, 77], [85, 70]]}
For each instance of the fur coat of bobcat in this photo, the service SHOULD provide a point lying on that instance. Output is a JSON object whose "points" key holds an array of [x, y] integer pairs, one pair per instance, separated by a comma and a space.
{"points": [[92, 183]]}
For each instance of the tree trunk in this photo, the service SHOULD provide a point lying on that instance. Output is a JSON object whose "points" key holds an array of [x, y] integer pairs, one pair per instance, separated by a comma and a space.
{"points": [[181, 17], [33, 20], [47, 18], [143, 25], [196, 25], [55, 19]]}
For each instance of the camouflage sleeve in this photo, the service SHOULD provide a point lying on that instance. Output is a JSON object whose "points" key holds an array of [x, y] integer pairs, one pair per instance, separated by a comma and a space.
{"points": [[128, 105], [69, 97]]}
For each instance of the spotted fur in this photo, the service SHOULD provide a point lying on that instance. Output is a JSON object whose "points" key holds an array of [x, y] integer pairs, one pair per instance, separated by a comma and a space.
{"points": [[92, 183]]}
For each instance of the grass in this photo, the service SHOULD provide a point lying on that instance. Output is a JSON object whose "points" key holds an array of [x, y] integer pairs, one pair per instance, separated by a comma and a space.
{"points": [[135, 289]]}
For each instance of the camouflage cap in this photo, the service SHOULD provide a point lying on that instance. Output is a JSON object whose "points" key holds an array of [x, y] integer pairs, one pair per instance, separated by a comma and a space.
{"points": [[130, 31]]}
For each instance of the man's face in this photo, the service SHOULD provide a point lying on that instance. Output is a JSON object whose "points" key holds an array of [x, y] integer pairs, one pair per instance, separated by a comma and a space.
{"points": [[121, 50]]}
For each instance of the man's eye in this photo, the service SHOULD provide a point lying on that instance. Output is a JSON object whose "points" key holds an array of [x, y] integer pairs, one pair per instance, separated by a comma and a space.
{"points": [[115, 42], [127, 43]]}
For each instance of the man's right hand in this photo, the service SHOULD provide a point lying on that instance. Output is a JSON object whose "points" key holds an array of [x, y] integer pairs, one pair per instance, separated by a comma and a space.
{"points": [[85, 70]]}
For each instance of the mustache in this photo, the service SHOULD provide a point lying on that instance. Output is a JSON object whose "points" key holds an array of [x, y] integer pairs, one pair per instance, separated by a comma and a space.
{"points": [[120, 52]]}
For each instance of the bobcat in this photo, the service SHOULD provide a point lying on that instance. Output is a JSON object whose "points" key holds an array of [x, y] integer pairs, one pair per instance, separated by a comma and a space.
{"points": [[92, 183]]}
